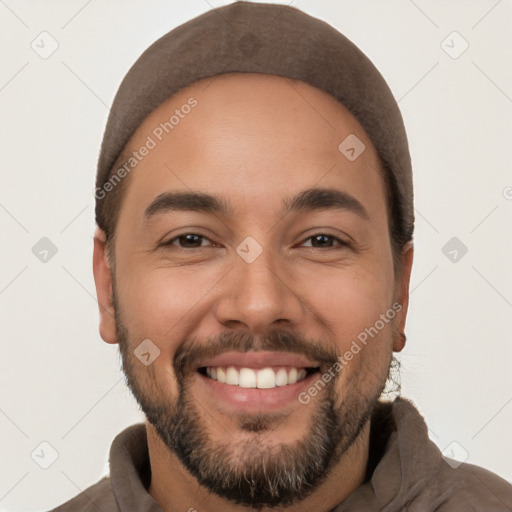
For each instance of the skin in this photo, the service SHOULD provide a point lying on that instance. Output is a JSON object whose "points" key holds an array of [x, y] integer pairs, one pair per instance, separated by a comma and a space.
{"points": [[254, 139]]}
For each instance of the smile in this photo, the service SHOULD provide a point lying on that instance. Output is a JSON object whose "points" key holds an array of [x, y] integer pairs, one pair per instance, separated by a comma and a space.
{"points": [[256, 380], [261, 378]]}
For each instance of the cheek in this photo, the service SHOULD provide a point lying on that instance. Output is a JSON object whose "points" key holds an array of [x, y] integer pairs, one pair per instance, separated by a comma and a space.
{"points": [[357, 307], [353, 312], [157, 306], [351, 300], [160, 303]]}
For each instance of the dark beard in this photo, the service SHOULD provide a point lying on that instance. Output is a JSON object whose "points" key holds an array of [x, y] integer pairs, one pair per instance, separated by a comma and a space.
{"points": [[270, 477], [273, 476]]}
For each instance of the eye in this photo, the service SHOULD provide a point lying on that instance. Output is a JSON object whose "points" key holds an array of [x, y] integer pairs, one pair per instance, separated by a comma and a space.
{"points": [[194, 241], [322, 240], [187, 241]]}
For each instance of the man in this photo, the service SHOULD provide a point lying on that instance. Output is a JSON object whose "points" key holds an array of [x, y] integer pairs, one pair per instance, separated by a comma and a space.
{"points": [[252, 260]]}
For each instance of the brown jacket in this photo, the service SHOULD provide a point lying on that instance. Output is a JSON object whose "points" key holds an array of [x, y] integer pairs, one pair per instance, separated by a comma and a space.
{"points": [[406, 472]]}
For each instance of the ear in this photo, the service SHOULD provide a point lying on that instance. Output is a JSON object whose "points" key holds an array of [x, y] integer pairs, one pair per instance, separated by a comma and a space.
{"points": [[402, 292], [103, 280]]}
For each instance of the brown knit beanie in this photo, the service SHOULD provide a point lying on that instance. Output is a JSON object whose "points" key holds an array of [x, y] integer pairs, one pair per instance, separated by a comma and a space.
{"points": [[272, 39]]}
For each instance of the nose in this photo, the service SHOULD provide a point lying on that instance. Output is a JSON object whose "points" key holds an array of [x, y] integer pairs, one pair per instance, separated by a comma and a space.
{"points": [[259, 295]]}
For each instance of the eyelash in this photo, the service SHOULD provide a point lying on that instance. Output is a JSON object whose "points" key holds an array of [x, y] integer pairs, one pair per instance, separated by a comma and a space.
{"points": [[341, 242]]}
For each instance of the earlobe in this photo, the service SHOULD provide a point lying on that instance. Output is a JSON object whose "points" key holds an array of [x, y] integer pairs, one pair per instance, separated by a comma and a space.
{"points": [[402, 294], [399, 342], [103, 280]]}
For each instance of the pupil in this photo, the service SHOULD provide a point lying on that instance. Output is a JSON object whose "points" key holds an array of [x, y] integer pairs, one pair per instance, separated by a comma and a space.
{"points": [[324, 237], [189, 239]]}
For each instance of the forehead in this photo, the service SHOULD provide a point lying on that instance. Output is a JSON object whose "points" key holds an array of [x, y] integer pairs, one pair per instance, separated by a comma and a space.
{"points": [[252, 136]]}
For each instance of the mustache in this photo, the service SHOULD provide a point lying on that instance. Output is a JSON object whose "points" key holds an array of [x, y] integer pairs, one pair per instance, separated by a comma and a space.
{"points": [[191, 352]]}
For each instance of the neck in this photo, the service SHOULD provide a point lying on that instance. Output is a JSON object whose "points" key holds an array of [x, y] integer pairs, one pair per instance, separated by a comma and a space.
{"points": [[176, 490]]}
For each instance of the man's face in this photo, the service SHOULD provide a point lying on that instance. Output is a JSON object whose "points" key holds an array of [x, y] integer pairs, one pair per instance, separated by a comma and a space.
{"points": [[256, 294]]}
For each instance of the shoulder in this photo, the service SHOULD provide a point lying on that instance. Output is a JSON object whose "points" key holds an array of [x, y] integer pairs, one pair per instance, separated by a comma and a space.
{"points": [[483, 489], [98, 496], [435, 482]]}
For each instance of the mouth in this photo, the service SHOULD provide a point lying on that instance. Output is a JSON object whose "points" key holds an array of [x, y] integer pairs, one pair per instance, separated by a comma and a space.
{"points": [[255, 381]]}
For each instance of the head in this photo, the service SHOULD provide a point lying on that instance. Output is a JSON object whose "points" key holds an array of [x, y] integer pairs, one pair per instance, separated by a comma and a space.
{"points": [[323, 276], [244, 238]]}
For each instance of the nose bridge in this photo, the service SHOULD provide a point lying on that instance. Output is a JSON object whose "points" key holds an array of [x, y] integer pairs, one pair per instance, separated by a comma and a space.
{"points": [[258, 294]]}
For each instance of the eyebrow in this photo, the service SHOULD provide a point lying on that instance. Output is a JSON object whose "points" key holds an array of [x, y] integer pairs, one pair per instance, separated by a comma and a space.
{"points": [[313, 199]]}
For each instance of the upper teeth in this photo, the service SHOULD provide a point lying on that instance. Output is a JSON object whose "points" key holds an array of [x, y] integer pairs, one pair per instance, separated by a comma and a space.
{"points": [[265, 378]]}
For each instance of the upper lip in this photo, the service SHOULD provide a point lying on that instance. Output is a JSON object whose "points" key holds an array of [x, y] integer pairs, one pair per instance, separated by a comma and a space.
{"points": [[259, 359]]}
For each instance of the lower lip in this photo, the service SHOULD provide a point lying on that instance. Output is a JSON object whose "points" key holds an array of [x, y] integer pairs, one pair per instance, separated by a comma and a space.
{"points": [[255, 399]]}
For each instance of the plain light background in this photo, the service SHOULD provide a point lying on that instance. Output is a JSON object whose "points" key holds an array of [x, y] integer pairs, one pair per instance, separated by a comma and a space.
{"points": [[61, 384]]}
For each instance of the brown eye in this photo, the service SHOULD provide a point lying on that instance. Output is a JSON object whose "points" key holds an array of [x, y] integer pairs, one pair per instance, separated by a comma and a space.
{"points": [[187, 241], [322, 240]]}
